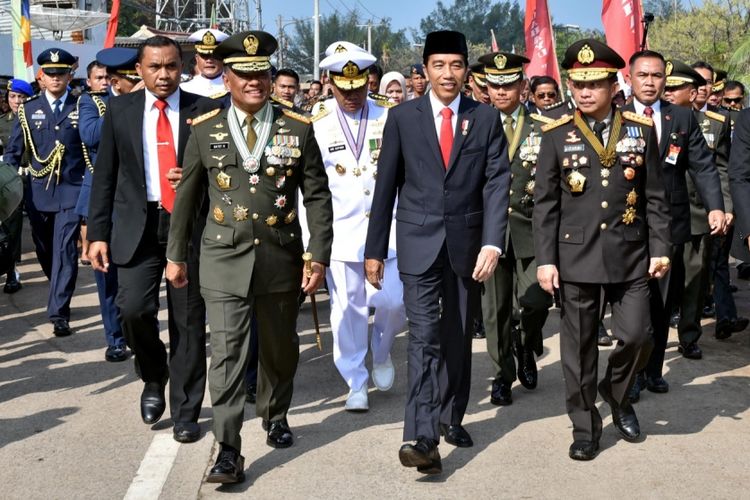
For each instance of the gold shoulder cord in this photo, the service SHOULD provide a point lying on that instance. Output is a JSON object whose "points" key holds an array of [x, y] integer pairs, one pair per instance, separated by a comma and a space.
{"points": [[101, 106], [608, 155], [52, 163]]}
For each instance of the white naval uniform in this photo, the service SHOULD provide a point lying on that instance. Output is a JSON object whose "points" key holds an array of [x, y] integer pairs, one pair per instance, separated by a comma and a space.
{"points": [[203, 86], [352, 188]]}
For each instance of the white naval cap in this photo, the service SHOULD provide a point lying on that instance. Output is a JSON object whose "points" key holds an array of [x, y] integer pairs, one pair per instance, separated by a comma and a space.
{"points": [[348, 68], [207, 39], [343, 46]]}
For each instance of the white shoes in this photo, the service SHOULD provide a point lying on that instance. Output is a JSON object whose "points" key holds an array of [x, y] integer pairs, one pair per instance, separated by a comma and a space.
{"points": [[357, 400], [383, 375]]}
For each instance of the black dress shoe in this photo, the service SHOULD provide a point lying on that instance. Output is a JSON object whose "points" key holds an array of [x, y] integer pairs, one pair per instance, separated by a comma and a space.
{"points": [[690, 351], [12, 283], [623, 416], [739, 324], [279, 434], [527, 372], [456, 435], [153, 403], [709, 311], [229, 467], [501, 394], [583, 450], [61, 328], [603, 339], [634, 395], [478, 329], [116, 353], [186, 432], [726, 327], [657, 385], [423, 455], [251, 393]]}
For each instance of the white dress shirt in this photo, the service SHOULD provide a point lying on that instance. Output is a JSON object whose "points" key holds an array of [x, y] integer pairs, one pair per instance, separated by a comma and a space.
{"points": [[437, 108], [51, 100], [204, 86], [639, 108], [150, 151]]}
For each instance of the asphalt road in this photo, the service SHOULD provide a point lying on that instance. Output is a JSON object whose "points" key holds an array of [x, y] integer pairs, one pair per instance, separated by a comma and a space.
{"points": [[70, 425]]}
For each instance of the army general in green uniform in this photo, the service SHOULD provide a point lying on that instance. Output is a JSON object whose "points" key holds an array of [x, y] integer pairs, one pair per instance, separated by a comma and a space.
{"points": [[252, 159]]}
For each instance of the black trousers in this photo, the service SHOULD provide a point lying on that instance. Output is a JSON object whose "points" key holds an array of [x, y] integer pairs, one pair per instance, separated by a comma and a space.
{"points": [[138, 299], [581, 303], [439, 351]]}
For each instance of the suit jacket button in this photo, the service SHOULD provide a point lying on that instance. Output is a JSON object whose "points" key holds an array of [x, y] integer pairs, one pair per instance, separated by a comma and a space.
{"points": [[256, 241], [605, 204], [603, 226], [567, 236], [57, 127]]}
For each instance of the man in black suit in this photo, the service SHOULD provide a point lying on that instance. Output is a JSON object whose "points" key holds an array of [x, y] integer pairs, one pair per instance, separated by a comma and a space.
{"points": [[682, 150], [445, 158], [133, 190], [739, 178], [601, 220]]}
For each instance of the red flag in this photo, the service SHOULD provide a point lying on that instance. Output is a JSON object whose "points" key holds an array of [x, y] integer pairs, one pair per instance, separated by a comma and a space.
{"points": [[114, 14], [540, 41], [495, 47], [623, 27]]}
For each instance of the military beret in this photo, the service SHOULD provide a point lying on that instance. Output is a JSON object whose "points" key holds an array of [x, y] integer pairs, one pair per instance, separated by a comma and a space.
{"points": [[347, 68], [589, 60], [678, 74], [120, 60], [445, 42], [247, 51], [207, 39], [20, 87], [56, 61], [503, 68]]}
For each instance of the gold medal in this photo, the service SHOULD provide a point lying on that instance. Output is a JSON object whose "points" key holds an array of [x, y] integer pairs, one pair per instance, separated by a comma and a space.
{"points": [[270, 171], [629, 216], [290, 216], [289, 172], [340, 169], [239, 213], [529, 188], [632, 197], [219, 215], [224, 181], [271, 220], [576, 181], [629, 173]]}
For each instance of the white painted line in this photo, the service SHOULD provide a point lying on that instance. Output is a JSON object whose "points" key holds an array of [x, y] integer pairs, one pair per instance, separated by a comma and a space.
{"points": [[154, 469]]}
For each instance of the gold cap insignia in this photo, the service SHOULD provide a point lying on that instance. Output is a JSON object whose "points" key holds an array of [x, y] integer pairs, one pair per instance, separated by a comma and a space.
{"points": [[668, 68], [350, 70], [251, 45], [500, 61], [585, 55], [339, 49], [209, 38], [54, 57]]}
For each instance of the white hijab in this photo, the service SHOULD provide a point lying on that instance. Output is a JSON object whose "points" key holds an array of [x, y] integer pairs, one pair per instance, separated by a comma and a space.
{"points": [[392, 76]]}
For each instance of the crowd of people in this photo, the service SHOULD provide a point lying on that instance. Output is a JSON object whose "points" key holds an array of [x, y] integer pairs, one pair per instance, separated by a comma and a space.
{"points": [[459, 201]]}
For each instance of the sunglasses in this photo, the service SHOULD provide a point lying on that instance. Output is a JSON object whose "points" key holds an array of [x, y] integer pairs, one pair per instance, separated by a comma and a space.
{"points": [[733, 100], [546, 95]]}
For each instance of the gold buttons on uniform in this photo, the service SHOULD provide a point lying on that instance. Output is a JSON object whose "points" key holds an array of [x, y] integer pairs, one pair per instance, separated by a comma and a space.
{"points": [[567, 236], [218, 236], [510, 209], [57, 127], [603, 226], [510, 192], [252, 190], [256, 241], [605, 182], [605, 204], [255, 216]]}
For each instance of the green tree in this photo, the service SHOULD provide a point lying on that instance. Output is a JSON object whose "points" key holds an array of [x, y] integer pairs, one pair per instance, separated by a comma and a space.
{"points": [[475, 19], [134, 14], [663, 8]]}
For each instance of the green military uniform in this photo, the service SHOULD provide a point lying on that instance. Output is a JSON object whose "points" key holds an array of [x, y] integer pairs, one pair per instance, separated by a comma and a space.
{"points": [[6, 127], [252, 228], [696, 253]]}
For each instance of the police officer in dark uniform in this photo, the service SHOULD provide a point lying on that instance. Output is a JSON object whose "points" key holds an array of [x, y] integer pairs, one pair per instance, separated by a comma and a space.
{"points": [[48, 129], [513, 286], [91, 108], [18, 92], [601, 222], [252, 159]]}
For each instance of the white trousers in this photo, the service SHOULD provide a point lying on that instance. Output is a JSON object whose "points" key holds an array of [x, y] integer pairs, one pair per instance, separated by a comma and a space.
{"points": [[351, 298]]}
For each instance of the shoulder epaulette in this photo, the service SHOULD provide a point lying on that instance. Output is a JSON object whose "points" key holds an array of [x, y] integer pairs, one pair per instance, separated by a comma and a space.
{"points": [[634, 117], [29, 99], [320, 114], [540, 118], [381, 100], [554, 106], [218, 95], [295, 115], [560, 121], [716, 116], [97, 92], [283, 102], [205, 116]]}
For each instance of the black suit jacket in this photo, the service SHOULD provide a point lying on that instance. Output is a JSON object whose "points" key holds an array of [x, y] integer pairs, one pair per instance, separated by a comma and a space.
{"points": [[465, 206], [739, 181], [117, 210], [681, 134]]}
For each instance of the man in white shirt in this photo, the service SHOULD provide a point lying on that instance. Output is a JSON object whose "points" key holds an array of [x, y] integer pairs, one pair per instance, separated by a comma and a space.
{"points": [[208, 80]]}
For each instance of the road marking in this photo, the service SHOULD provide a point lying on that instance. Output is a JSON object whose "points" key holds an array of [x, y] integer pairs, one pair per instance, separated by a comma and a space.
{"points": [[154, 469]]}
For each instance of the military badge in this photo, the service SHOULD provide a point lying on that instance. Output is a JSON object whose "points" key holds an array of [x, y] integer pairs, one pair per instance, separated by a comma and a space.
{"points": [[572, 137], [629, 216], [280, 201], [357, 172], [239, 213], [464, 127], [585, 55], [271, 220], [576, 181], [289, 172], [219, 136], [629, 173], [270, 171], [604, 173], [254, 179], [290, 216], [226, 199], [632, 197], [529, 188], [219, 215], [280, 181], [224, 181], [283, 131]]}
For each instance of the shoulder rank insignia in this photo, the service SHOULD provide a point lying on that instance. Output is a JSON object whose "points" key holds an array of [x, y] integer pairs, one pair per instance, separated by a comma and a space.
{"points": [[281, 101], [205, 116], [218, 95], [540, 118], [296, 116], [560, 121], [555, 105], [384, 104], [633, 117], [716, 116], [98, 92], [29, 99], [322, 111]]}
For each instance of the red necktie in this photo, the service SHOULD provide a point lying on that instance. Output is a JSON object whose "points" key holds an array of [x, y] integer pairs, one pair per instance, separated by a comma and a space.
{"points": [[167, 155], [648, 111], [446, 135]]}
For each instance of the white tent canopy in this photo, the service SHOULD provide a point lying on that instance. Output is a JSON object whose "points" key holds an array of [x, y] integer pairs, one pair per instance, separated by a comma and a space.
{"points": [[60, 20]]}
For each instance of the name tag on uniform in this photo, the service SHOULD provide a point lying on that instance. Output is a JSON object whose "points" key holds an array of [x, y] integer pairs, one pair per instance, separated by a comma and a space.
{"points": [[38, 115], [573, 148], [674, 152], [219, 145], [338, 147]]}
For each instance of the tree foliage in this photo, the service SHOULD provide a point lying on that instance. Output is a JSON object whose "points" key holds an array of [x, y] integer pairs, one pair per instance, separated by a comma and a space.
{"points": [[134, 14], [475, 19]]}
